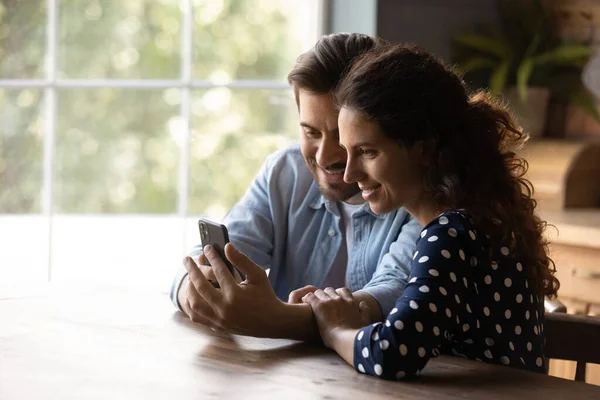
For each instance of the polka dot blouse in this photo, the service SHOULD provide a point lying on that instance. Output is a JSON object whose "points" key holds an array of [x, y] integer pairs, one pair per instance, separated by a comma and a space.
{"points": [[457, 301]]}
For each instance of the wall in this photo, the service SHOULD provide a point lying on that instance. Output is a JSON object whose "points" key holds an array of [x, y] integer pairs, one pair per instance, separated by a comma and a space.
{"points": [[357, 16], [430, 23]]}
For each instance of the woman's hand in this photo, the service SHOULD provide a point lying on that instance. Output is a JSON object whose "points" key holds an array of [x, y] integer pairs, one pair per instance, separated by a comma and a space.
{"points": [[297, 295], [336, 312]]}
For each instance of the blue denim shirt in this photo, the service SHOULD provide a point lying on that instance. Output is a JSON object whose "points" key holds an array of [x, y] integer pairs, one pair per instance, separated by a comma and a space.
{"points": [[284, 223]]}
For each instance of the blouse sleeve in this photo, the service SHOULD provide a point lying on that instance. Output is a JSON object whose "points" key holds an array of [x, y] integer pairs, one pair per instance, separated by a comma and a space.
{"points": [[433, 305]]}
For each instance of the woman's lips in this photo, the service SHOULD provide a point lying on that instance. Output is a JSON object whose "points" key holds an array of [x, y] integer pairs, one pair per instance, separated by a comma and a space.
{"points": [[370, 193]]}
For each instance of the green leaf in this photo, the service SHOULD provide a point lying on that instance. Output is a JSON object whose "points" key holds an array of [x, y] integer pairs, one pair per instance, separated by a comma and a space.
{"points": [[565, 54], [523, 74], [586, 101], [485, 44], [499, 78], [533, 46], [476, 63]]}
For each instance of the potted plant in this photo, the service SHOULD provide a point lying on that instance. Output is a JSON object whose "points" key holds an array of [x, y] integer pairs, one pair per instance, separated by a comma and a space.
{"points": [[523, 60]]}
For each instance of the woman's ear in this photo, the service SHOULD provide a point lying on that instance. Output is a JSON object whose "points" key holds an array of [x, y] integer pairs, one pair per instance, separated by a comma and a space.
{"points": [[423, 151]]}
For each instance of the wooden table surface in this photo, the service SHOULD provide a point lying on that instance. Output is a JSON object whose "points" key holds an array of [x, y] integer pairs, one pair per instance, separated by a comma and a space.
{"points": [[134, 345]]}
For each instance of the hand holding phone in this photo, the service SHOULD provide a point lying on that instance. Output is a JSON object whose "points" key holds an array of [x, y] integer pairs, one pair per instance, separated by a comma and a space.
{"points": [[216, 235]]}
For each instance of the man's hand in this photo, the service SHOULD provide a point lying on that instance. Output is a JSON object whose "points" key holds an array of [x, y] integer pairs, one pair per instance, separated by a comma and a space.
{"points": [[249, 307], [209, 272], [188, 295], [336, 311]]}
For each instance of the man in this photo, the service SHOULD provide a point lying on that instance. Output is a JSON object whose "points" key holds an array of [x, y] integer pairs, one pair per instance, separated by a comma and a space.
{"points": [[300, 220]]}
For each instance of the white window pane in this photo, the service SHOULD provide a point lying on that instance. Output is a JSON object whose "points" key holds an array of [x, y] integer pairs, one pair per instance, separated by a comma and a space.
{"points": [[250, 39], [22, 39], [139, 251], [232, 133], [21, 150], [116, 151], [119, 39], [24, 249]]}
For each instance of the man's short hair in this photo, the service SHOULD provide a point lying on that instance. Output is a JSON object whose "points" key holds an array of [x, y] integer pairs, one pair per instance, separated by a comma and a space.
{"points": [[320, 69]]}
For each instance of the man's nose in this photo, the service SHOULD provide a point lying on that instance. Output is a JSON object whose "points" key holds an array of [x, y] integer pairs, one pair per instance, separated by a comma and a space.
{"points": [[330, 152]]}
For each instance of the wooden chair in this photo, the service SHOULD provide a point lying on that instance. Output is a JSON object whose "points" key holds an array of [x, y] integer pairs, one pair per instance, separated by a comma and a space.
{"points": [[574, 338]]}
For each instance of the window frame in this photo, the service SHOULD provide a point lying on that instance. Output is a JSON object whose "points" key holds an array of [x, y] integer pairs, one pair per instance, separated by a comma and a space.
{"points": [[185, 83]]}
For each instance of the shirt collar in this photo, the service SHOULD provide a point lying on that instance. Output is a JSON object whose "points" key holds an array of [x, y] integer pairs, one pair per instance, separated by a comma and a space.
{"points": [[319, 201]]}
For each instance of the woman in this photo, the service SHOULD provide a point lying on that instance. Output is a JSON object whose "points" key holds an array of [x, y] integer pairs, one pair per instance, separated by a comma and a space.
{"points": [[415, 139]]}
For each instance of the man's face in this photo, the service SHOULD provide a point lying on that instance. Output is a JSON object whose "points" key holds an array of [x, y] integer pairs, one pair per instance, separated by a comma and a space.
{"points": [[320, 146]]}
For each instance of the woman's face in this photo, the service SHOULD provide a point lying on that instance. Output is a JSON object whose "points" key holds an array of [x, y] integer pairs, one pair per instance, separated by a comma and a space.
{"points": [[388, 174]]}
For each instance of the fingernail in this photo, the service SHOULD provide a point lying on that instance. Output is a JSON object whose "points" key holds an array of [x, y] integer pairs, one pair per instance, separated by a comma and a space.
{"points": [[208, 249]]}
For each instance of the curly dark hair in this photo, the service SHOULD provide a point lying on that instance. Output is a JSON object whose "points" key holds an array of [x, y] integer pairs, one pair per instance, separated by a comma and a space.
{"points": [[413, 96]]}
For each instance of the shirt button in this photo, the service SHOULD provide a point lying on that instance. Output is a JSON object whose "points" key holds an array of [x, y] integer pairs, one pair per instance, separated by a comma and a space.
{"points": [[331, 233]]}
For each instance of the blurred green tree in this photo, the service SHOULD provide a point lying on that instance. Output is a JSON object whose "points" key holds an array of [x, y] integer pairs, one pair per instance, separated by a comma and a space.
{"points": [[117, 148]]}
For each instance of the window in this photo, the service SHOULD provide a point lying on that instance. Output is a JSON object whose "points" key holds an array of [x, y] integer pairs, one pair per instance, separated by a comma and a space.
{"points": [[122, 122]]}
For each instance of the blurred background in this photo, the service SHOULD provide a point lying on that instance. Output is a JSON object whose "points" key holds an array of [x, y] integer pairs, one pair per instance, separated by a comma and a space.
{"points": [[122, 122]]}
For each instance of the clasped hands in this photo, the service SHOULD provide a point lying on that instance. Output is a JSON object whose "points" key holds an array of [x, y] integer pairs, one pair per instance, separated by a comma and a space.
{"points": [[250, 307]]}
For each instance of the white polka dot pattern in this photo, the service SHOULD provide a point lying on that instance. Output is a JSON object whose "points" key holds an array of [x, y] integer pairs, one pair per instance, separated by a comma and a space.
{"points": [[403, 349], [419, 326], [378, 369], [460, 299]]}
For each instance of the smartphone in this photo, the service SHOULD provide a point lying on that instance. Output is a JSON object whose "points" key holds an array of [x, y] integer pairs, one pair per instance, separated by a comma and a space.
{"points": [[216, 235]]}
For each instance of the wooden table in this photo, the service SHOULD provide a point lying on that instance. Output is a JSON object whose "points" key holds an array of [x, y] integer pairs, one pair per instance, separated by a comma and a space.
{"points": [[118, 345]]}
